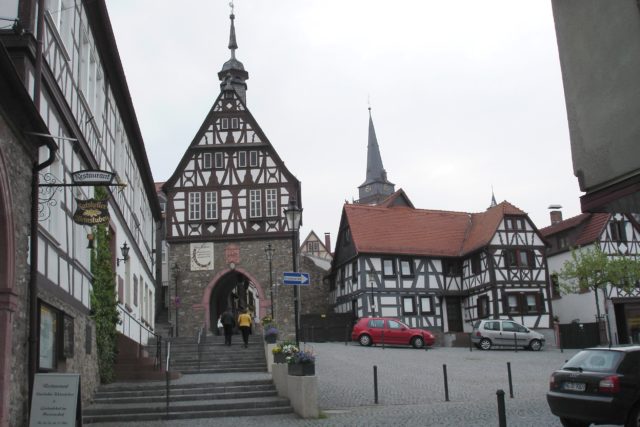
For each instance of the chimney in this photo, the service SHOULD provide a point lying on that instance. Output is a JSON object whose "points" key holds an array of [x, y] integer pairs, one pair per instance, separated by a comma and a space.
{"points": [[556, 214], [327, 241]]}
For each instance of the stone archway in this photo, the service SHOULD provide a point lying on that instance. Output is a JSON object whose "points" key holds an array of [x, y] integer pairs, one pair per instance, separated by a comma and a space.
{"points": [[8, 296], [206, 295]]}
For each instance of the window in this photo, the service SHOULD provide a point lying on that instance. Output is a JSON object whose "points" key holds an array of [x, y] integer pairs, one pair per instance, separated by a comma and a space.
{"points": [[313, 247], [253, 159], [394, 325], [388, 268], [346, 237], [376, 323], [255, 204], [234, 123], [49, 341], [354, 272], [524, 303], [272, 202], [408, 305], [514, 223], [475, 264], [426, 304], [219, 157], [242, 159], [562, 242], [194, 206], [224, 123], [451, 268], [618, 231], [210, 205], [135, 290], [406, 267], [492, 326], [519, 258], [483, 307], [207, 161]]}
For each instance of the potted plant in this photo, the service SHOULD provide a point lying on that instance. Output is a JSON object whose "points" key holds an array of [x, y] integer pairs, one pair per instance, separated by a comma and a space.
{"points": [[271, 334], [278, 354], [302, 363]]}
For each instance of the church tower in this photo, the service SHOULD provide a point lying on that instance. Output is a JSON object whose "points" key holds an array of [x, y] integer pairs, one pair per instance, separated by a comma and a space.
{"points": [[376, 186]]}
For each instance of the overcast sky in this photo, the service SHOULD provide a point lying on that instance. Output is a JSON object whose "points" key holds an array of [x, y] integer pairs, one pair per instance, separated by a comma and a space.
{"points": [[465, 95]]}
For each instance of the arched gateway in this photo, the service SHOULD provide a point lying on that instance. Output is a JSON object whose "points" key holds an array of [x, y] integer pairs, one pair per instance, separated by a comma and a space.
{"points": [[235, 288]]}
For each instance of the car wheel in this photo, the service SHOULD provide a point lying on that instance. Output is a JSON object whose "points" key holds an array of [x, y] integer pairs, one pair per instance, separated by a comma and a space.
{"points": [[535, 345], [417, 342], [568, 422], [485, 344], [634, 417], [365, 340]]}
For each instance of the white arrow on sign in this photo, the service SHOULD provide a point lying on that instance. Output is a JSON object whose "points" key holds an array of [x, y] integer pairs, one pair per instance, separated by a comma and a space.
{"points": [[295, 278]]}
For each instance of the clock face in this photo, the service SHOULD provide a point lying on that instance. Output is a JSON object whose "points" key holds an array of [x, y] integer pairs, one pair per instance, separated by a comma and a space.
{"points": [[367, 188], [386, 187]]}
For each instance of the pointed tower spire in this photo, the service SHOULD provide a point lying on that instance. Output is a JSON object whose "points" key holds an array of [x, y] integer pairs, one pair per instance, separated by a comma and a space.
{"points": [[233, 75], [493, 199], [376, 186]]}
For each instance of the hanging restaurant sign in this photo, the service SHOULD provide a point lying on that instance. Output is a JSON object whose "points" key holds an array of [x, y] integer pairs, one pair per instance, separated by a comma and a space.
{"points": [[91, 212], [92, 177]]}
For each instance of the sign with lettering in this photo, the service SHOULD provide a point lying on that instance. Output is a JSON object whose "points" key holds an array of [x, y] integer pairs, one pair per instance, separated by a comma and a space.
{"points": [[92, 177], [55, 400], [201, 256], [91, 212]]}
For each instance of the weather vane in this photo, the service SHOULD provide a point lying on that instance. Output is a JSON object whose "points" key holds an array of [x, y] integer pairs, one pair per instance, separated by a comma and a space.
{"points": [[231, 6]]}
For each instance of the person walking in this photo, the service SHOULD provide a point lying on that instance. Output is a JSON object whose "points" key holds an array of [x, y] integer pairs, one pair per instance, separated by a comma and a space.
{"points": [[244, 322], [228, 322]]}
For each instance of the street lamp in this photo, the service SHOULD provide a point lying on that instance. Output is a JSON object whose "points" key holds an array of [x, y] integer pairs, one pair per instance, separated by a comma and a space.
{"points": [[176, 273], [293, 214], [125, 254], [268, 251]]}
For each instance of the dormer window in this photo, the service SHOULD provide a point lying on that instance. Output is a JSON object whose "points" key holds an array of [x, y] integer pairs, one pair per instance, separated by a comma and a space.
{"points": [[618, 231]]}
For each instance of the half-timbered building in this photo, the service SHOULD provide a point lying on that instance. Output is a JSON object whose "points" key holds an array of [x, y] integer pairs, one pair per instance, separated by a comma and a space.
{"points": [[615, 234], [225, 204], [64, 55], [440, 270]]}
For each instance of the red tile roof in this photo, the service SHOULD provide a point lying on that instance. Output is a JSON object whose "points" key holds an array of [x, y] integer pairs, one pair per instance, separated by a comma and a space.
{"points": [[404, 230], [591, 227]]}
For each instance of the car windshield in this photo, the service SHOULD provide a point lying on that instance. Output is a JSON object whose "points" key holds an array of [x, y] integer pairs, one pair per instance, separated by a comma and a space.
{"points": [[594, 361]]}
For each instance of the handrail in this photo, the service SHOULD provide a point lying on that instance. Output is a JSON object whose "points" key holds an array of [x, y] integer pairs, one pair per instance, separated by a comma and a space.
{"points": [[149, 332], [167, 373], [200, 332]]}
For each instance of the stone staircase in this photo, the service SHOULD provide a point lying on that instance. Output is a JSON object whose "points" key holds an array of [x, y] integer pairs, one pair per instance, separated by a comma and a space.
{"points": [[222, 382]]}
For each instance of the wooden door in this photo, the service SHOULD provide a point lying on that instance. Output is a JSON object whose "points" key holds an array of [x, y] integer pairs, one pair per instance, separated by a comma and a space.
{"points": [[454, 314]]}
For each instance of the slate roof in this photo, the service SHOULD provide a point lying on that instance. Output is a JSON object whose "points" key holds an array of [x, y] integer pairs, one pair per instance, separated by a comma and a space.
{"points": [[406, 231], [589, 227]]}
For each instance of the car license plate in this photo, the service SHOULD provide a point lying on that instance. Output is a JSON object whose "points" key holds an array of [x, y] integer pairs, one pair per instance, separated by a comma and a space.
{"points": [[574, 386]]}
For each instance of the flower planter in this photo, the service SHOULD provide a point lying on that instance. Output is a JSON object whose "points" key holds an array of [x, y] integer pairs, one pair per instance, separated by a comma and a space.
{"points": [[302, 369], [279, 358], [271, 339]]}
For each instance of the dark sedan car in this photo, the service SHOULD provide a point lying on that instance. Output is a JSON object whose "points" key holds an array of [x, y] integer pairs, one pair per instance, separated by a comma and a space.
{"points": [[598, 385]]}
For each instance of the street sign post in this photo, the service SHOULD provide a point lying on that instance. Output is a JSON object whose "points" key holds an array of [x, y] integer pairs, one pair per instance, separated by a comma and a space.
{"points": [[295, 278]]}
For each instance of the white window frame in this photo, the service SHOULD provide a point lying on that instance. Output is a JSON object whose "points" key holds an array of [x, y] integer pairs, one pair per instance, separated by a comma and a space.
{"points": [[255, 203], [194, 206], [253, 158], [224, 123], [234, 123], [426, 304], [211, 205], [272, 202], [242, 159], [408, 299], [219, 160], [206, 161]]}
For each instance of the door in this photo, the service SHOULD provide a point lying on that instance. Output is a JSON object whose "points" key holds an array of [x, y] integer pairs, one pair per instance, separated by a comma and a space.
{"points": [[508, 338], [454, 314], [395, 333]]}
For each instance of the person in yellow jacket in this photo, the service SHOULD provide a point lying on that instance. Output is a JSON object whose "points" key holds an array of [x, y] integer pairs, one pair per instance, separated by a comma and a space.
{"points": [[244, 323]]}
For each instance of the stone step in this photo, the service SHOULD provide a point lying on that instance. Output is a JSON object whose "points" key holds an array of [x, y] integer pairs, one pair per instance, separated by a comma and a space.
{"points": [[195, 395], [151, 386], [159, 390]]}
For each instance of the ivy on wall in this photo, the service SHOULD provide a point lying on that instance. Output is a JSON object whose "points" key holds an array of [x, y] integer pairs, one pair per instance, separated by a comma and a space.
{"points": [[103, 297]]}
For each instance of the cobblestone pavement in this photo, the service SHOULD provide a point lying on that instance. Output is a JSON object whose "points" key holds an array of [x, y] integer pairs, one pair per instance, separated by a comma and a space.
{"points": [[411, 388]]}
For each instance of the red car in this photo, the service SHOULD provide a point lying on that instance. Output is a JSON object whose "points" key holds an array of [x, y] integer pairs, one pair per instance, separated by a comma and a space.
{"points": [[387, 330]]}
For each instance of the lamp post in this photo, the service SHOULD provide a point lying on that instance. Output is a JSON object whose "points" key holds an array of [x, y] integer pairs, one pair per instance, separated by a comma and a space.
{"points": [[293, 214], [268, 251], [176, 273], [125, 254]]}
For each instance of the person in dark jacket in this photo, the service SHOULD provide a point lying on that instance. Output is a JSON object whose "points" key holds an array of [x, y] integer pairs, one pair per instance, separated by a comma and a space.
{"points": [[228, 322]]}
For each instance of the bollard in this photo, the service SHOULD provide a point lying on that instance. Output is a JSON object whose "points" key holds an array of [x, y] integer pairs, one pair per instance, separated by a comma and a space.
{"points": [[375, 384], [510, 381], [470, 342], [446, 383], [502, 416], [515, 339]]}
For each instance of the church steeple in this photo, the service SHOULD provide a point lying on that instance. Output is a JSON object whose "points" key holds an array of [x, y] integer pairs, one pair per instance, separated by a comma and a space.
{"points": [[493, 199], [233, 75], [376, 186]]}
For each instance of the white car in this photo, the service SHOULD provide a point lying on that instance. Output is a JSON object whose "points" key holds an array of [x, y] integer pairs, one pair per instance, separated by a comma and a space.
{"points": [[505, 333]]}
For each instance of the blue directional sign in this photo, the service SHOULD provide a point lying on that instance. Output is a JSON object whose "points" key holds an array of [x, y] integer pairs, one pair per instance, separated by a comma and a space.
{"points": [[295, 278]]}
